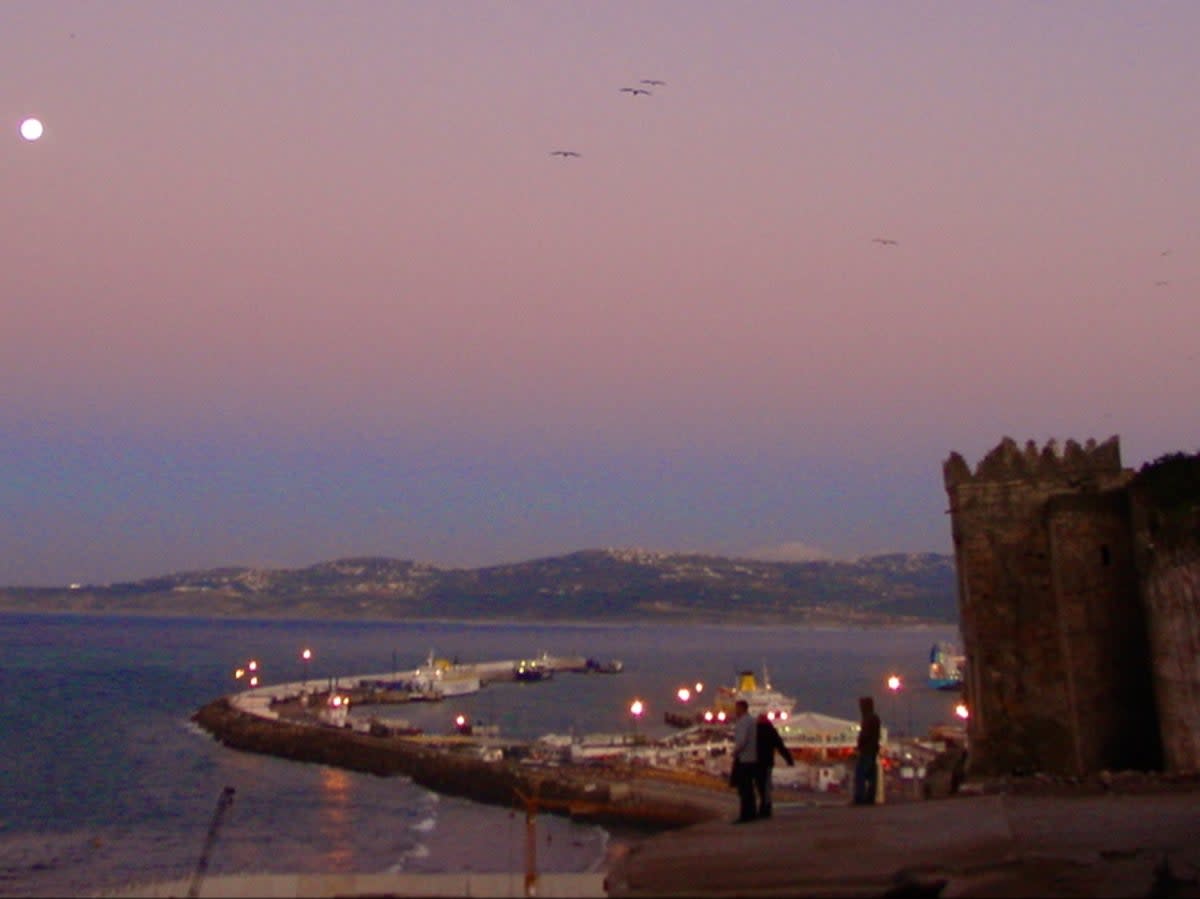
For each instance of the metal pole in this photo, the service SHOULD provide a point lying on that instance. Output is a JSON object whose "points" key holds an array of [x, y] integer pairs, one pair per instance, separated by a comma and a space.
{"points": [[223, 804], [531, 805]]}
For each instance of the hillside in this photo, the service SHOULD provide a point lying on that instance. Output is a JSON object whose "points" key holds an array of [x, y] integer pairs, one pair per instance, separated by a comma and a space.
{"points": [[588, 585]]}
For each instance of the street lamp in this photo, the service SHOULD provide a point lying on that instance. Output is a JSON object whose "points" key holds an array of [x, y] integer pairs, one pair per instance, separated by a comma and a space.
{"points": [[962, 711], [684, 694], [250, 672], [637, 708], [894, 685], [306, 657]]}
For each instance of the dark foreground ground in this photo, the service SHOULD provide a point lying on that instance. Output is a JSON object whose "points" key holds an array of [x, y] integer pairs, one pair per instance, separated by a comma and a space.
{"points": [[1015, 844]]}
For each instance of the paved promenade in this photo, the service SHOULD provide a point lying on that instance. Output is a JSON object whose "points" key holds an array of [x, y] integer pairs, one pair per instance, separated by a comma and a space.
{"points": [[977, 846]]}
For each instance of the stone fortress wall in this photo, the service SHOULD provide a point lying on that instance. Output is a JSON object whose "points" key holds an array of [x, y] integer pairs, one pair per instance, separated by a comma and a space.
{"points": [[1079, 603]]}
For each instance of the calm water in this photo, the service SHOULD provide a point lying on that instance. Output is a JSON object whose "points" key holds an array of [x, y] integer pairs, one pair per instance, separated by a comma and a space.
{"points": [[106, 782]]}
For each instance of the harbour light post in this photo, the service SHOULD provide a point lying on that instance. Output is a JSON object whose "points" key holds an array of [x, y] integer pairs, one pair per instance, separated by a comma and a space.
{"points": [[894, 685], [637, 708], [306, 657], [250, 673]]}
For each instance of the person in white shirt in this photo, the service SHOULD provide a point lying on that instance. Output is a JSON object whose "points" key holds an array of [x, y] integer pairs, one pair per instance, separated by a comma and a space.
{"points": [[745, 760]]}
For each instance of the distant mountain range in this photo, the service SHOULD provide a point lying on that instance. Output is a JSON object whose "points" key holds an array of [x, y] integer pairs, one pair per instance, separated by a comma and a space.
{"points": [[600, 585], [592, 585]]}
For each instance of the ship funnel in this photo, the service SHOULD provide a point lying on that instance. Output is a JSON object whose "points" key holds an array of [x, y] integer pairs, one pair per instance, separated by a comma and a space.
{"points": [[746, 681]]}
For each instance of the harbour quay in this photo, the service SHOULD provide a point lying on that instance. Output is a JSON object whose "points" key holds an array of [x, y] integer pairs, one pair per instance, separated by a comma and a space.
{"points": [[483, 769]]}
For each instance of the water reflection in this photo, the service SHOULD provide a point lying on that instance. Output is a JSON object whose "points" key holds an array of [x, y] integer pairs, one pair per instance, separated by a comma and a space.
{"points": [[334, 820]]}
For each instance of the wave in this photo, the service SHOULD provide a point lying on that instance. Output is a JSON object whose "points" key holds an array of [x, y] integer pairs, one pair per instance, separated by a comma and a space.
{"points": [[425, 825]]}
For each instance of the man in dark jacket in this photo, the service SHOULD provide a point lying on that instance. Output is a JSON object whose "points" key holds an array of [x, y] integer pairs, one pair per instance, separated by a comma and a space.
{"points": [[768, 743], [865, 780]]}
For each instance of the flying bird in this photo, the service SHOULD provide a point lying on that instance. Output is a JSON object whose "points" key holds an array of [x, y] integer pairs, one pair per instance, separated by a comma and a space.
{"points": [[1161, 283], [565, 154], [885, 241], [1165, 253], [653, 82], [635, 91]]}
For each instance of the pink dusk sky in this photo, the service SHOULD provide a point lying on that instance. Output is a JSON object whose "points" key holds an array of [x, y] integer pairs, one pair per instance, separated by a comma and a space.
{"points": [[286, 282]]}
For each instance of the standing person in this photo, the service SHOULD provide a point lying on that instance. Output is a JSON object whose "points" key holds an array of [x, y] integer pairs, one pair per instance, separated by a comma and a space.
{"points": [[767, 743], [865, 770], [745, 760]]}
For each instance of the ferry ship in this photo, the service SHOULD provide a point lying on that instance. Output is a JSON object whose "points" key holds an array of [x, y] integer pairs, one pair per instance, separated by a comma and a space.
{"points": [[946, 666], [440, 678], [762, 700]]}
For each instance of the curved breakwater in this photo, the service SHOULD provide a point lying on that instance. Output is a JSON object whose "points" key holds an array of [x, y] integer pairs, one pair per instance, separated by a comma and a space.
{"points": [[454, 769]]}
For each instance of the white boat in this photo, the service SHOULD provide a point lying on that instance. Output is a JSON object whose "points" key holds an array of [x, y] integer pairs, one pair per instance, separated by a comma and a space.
{"points": [[335, 711], [946, 666], [440, 679], [762, 700]]}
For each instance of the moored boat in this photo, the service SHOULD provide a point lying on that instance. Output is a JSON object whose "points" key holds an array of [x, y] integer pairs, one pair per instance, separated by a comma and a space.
{"points": [[440, 679], [946, 667], [532, 670], [762, 699]]}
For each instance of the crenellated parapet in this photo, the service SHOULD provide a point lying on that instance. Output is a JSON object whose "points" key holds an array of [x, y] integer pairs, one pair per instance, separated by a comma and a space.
{"points": [[1073, 463], [1052, 623]]}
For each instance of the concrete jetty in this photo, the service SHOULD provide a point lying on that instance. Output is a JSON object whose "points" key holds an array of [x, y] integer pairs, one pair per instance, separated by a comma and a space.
{"points": [[453, 766]]}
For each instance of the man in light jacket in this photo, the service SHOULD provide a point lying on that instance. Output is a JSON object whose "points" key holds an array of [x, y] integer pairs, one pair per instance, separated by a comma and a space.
{"points": [[745, 760]]}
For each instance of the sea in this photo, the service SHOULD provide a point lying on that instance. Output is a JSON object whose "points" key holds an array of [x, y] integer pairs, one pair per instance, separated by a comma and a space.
{"points": [[106, 783]]}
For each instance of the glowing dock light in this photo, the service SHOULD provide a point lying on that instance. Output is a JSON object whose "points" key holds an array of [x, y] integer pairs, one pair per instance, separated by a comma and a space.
{"points": [[684, 694], [962, 711]]}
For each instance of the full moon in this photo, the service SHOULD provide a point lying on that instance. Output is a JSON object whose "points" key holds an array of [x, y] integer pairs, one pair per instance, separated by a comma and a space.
{"points": [[31, 129]]}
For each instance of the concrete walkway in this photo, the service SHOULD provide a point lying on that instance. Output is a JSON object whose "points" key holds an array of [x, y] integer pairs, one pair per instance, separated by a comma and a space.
{"points": [[327, 886], [983, 846]]}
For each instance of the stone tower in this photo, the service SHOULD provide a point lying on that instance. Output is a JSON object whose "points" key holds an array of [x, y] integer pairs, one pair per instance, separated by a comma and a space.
{"points": [[1165, 497], [1058, 668]]}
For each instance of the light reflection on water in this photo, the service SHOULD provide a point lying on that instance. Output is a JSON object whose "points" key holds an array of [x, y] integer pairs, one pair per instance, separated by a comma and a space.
{"points": [[335, 843]]}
